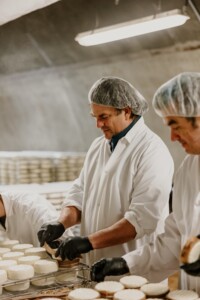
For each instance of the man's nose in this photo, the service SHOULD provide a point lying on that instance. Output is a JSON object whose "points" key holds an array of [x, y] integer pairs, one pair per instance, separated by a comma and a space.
{"points": [[99, 123], [174, 136]]}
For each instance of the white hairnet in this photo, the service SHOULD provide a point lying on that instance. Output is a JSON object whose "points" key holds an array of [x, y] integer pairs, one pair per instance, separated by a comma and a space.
{"points": [[179, 96], [118, 93]]}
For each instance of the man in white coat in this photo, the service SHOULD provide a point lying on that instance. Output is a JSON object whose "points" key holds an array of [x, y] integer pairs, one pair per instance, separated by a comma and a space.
{"points": [[22, 214], [178, 103], [121, 196]]}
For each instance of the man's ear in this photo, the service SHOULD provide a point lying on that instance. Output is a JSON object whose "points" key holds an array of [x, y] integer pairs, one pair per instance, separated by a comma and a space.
{"points": [[128, 112]]}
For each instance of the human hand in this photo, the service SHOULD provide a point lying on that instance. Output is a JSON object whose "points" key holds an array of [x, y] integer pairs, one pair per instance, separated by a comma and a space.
{"points": [[108, 266], [192, 269], [72, 247], [50, 232]]}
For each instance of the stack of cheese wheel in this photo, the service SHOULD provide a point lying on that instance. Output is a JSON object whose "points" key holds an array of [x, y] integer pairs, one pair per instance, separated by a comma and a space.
{"points": [[9, 243], [39, 251], [19, 272], [45, 266]]}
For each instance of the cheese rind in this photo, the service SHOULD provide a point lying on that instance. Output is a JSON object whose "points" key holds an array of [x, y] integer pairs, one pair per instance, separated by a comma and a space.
{"points": [[3, 276], [44, 266], [155, 289], [28, 260], [18, 287], [12, 255], [5, 264], [133, 281], [40, 251], [21, 247], [129, 294], [20, 272], [83, 294], [9, 243], [107, 288], [182, 295]]}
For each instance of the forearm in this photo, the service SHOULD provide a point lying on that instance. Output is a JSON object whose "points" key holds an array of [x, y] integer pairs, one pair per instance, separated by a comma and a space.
{"points": [[70, 216], [119, 233]]}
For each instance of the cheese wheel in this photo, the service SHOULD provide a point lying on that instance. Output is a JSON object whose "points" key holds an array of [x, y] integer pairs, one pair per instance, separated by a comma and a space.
{"points": [[21, 247], [155, 289], [40, 251], [5, 264], [83, 294], [3, 276], [43, 281], [191, 251], [182, 295], [44, 266], [108, 288], [133, 281], [4, 250], [69, 276], [12, 255], [20, 272], [9, 243], [18, 287], [129, 294], [28, 260]]}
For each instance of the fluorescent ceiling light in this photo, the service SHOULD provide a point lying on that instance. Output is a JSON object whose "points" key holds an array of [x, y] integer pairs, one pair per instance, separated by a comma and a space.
{"points": [[120, 31]]}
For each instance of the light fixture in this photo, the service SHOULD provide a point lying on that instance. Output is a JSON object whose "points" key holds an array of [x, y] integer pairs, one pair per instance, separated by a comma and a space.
{"points": [[120, 31]]}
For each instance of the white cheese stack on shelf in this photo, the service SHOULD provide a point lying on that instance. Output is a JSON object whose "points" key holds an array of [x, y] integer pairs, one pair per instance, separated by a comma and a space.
{"points": [[28, 260], [12, 255], [22, 247], [20, 272], [9, 243], [108, 288], [5, 264], [18, 287], [39, 251]]}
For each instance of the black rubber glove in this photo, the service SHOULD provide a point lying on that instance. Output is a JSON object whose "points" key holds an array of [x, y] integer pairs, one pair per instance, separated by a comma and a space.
{"points": [[50, 232], [72, 247], [108, 266], [192, 269]]}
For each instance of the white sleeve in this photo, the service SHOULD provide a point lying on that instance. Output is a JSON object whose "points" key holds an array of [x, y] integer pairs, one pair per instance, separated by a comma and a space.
{"points": [[74, 195], [159, 260], [151, 188]]}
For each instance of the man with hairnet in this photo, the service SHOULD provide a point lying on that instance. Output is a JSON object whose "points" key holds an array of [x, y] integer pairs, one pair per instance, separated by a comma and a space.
{"points": [[178, 103], [121, 196]]}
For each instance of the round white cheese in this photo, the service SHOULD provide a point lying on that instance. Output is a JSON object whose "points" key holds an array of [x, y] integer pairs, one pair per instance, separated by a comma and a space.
{"points": [[21, 247], [43, 281], [18, 287], [107, 288], [133, 281], [83, 294], [5, 264], [28, 260], [3, 276], [12, 255], [9, 243], [155, 289], [20, 272], [45, 266], [129, 294], [4, 250], [40, 251]]}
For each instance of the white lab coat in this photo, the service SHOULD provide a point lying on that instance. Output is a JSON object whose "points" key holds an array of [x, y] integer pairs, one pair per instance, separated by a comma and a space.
{"points": [[25, 214], [133, 182], [160, 260]]}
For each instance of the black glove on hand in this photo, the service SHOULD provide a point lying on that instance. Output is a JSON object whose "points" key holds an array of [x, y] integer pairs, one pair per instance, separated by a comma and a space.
{"points": [[50, 232], [108, 266], [72, 247], [192, 269]]}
